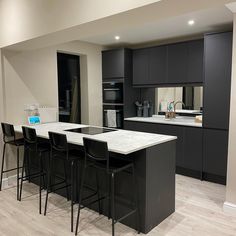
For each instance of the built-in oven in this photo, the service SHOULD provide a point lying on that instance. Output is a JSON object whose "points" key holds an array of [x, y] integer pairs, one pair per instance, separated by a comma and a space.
{"points": [[113, 92], [117, 111]]}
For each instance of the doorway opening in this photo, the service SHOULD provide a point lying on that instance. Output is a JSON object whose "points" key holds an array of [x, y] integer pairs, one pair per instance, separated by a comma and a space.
{"points": [[69, 96]]}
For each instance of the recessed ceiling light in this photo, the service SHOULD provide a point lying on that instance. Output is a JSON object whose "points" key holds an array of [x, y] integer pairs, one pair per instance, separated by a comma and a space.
{"points": [[191, 22], [117, 37]]}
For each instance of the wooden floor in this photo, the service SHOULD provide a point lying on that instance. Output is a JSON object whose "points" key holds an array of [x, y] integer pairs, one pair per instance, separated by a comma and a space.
{"points": [[198, 212]]}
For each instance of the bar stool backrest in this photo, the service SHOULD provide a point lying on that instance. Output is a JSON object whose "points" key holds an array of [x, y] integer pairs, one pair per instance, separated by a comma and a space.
{"points": [[58, 143], [29, 135], [96, 151], [8, 132]]}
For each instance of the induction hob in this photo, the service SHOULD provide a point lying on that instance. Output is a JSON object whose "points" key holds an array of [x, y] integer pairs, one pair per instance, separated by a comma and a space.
{"points": [[91, 130]]}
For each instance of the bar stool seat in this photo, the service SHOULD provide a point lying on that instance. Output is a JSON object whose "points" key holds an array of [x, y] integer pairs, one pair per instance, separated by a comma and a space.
{"points": [[17, 142]]}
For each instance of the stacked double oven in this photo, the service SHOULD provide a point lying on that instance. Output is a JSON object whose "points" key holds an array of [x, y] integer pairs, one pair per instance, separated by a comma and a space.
{"points": [[113, 100]]}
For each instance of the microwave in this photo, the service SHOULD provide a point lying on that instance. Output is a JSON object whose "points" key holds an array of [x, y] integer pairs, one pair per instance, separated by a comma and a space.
{"points": [[113, 92]]}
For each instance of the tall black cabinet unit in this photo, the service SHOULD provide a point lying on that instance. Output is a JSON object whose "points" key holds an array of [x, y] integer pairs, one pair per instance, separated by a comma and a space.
{"points": [[117, 67], [216, 104], [218, 59]]}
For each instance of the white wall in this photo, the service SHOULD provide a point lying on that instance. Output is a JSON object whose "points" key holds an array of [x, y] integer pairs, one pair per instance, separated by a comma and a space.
{"points": [[31, 77], [231, 173]]}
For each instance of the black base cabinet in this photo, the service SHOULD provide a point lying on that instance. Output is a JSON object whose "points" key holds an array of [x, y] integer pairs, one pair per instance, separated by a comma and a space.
{"points": [[200, 153], [188, 145], [215, 154]]}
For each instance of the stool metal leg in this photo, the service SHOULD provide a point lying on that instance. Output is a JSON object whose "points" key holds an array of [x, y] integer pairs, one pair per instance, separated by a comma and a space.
{"points": [[109, 196], [80, 199], [72, 195], [136, 200], [18, 172], [113, 203], [40, 182], [2, 167], [98, 193], [66, 180], [22, 175], [28, 166], [49, 182]]}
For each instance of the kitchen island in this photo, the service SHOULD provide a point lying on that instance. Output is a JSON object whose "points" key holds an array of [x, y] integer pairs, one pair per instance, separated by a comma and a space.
{"points": [[154, 158]]}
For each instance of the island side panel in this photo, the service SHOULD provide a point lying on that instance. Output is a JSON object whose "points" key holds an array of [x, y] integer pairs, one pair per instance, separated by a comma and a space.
{"points": [[160, 183]]}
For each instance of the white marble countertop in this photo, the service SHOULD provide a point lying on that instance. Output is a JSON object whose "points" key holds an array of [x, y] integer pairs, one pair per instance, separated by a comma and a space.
{"points": [[179, 120], [120, 141]]}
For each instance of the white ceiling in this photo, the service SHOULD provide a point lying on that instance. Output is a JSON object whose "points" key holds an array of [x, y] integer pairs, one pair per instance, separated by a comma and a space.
{"points": [[159, 22], [209, 20]]}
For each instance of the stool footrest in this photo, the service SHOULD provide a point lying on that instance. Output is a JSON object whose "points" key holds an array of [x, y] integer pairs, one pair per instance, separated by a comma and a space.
{"points": [[54, 190], [5, 171], [97, 200], [35, 175]]}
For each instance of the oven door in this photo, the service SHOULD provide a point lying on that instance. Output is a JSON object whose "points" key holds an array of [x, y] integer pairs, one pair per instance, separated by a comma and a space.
{"points": [[119, 116], [112, 92]]}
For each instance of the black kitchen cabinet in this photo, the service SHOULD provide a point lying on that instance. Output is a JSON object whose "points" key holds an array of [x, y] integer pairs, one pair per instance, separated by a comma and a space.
{"points": [[217, 80], [195, 61], [113, 64], [150, 66], [140, 66], [177, 63], [215, 151], [157, 65], [173, 64], [192, 145], [177, 131]]}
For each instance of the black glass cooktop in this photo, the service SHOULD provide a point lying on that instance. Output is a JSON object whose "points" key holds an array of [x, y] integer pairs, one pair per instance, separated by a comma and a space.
{"points": [[91, 130]]}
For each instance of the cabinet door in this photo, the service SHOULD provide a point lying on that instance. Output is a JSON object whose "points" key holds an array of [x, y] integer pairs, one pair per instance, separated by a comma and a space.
{"points": [[195, 61], [215, 148], [192, 145], [218, 58], [157, 65], [177, 63], [113, 64], [175, 131], [140, 66]]}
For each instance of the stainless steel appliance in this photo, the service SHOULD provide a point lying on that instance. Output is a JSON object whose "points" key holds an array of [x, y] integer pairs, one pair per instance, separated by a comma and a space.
{"points": [[113, 92]]}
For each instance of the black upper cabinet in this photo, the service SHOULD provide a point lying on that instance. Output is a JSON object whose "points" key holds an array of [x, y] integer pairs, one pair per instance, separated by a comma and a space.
{"points": [[177, 63], [140, 66], [217, 81], [180, 63], [157, 65], [149, 66], [195, 61], [113, 64]]}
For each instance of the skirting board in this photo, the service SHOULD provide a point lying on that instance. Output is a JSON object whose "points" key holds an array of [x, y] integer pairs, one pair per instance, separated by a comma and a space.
{"points": [[230, 208]]}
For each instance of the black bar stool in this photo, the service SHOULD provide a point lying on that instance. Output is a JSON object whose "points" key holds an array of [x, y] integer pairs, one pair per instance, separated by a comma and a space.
{"points": [[32, 144], [97, 156], [60, 151], [9, 137]]}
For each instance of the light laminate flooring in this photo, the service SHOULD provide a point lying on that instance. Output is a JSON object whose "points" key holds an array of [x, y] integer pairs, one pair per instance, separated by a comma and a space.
{"points": [[198, 213]]}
